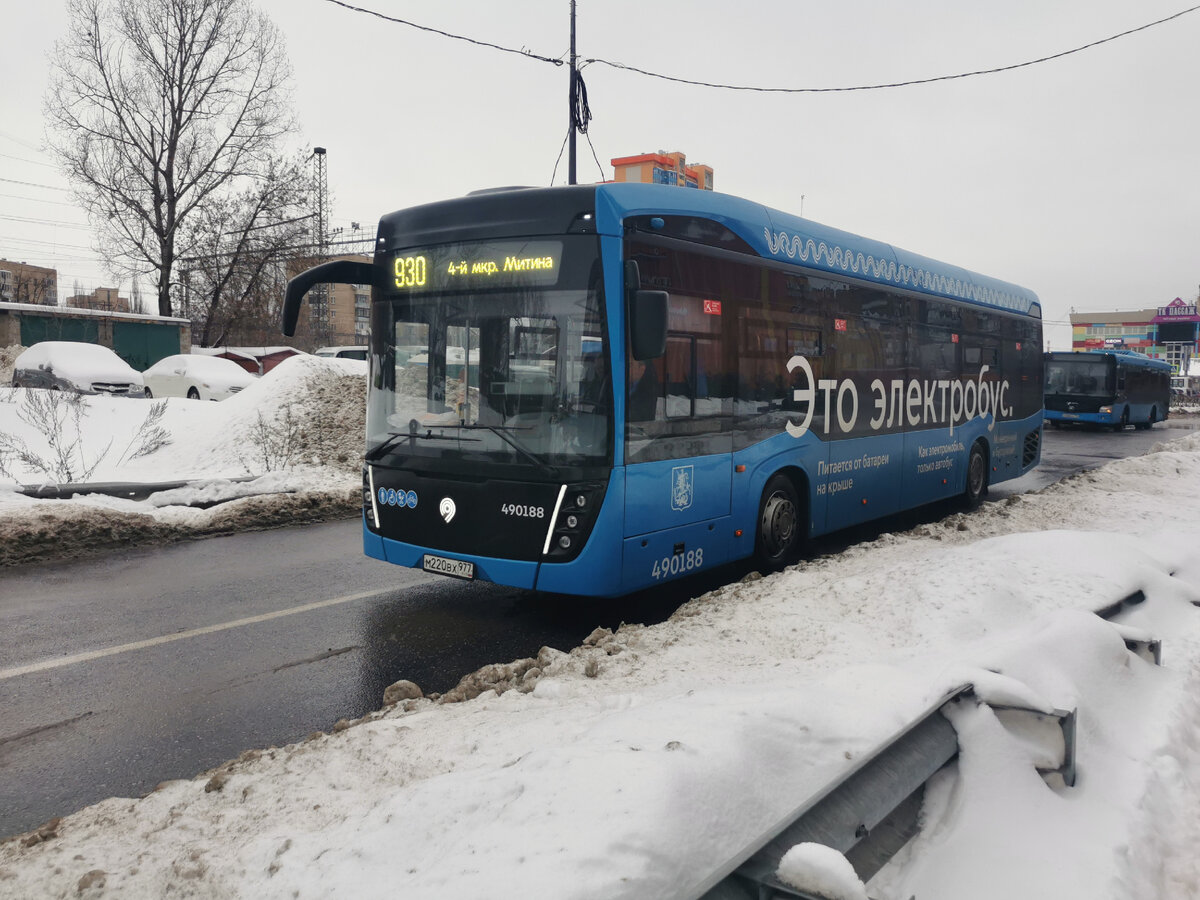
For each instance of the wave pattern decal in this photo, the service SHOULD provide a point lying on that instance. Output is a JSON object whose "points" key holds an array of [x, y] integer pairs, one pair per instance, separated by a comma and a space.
{"points": [[855, 262]]}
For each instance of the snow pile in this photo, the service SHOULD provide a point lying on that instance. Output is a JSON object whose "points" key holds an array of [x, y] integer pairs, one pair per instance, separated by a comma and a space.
{"points": [[643, 761], [296, 433], [8, 355]]}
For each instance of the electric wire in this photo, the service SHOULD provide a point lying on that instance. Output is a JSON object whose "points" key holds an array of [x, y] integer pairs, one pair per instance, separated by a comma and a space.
{"points": [[48, 187], [778, 90], [32, 162], [895, 84], [456, 37]]}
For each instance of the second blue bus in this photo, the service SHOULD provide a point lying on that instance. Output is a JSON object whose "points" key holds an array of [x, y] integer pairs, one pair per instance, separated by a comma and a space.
{"points": [[1106, 388]]}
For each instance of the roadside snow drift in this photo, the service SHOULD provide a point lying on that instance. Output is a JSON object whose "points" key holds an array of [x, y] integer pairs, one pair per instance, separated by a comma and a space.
{"points": [[638, 764], [285, 450]]}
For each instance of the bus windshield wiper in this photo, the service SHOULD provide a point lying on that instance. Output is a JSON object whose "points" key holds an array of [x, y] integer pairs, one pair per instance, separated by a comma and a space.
{"points": [[501, 431], [394, 437]]}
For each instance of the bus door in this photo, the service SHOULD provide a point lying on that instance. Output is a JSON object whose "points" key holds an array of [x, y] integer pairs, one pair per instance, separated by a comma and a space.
{"points": [[678, 451]]}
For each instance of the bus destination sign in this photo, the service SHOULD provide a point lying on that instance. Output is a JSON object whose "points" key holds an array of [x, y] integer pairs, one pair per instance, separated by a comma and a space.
{"points": [[484, 265]]}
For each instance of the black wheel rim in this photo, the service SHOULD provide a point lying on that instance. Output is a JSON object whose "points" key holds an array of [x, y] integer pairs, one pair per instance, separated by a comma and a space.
{"points": [[778, 524], [975, 475]]}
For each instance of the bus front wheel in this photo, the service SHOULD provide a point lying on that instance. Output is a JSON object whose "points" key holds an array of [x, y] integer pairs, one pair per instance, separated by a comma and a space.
{"points": [[780, 527], [1120, 426], [977, 477]]}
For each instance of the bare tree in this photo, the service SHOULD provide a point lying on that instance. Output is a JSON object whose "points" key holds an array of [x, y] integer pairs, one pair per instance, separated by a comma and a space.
{"points": [[159, 108], [240, 243]]}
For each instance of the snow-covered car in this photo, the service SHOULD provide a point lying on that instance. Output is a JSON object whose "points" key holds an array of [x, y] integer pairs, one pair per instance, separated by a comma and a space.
{"points": [[343, 352], [196, 377], [76, 366]]}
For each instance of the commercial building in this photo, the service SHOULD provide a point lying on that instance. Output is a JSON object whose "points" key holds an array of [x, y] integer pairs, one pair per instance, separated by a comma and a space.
{"points": [[662, 168], [1170, 332], [23, 283]]}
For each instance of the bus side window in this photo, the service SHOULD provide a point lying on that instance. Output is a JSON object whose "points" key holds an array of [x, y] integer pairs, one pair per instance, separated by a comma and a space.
{"points": [[681, 376], [645, 390]]}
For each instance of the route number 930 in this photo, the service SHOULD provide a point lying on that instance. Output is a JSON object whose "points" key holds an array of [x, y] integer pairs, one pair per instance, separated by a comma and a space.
{"points": [[678, 564], [410, 271]]}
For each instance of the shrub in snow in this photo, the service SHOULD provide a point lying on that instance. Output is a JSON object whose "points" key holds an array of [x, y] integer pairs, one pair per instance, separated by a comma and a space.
{"points": [[58, 417]]}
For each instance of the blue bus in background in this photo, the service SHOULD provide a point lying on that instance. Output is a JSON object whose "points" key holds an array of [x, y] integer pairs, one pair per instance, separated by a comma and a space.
{"points": [[662, 381], [1107, 388]]}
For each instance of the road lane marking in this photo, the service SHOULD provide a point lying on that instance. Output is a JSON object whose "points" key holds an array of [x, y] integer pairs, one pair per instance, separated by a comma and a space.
{"points": [[45, 664]]}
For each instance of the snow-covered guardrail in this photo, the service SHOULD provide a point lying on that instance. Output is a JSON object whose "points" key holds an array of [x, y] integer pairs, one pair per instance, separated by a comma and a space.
{"points": [[128, 490], [869, 813]]}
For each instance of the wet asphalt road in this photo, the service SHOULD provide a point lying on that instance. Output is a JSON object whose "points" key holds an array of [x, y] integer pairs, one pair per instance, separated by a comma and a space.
{"points": [[119, 673]]}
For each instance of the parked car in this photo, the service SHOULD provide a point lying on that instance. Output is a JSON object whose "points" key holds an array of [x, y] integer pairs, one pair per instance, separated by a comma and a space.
{"points": [[345, 352], [195, 377], [76, 366]]}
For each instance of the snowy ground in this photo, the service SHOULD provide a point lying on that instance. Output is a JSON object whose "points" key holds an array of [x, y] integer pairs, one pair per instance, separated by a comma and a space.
{"points": [[636, 764], [290, 445]]}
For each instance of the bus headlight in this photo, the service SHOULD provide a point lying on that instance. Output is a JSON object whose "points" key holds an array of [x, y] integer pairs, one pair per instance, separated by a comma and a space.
{"points": [[581, 505], [1106, 409]]}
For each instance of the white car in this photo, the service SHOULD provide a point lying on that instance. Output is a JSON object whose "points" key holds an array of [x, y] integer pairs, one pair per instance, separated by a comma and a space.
{"points": [[343, 352], [76, 366], [196, 377]]}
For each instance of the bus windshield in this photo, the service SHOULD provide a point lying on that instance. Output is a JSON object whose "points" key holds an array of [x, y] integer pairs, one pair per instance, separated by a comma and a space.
{"points": [[508, 375], [1079, 377]]}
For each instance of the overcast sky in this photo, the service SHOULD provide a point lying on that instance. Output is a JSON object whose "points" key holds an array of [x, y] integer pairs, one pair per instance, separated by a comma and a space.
{"points": [[1077, 178]]}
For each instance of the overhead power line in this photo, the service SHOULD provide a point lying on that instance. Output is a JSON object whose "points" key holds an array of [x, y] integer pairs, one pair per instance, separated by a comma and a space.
{"points": [[32, 162], [896, 84], [778, 90], [456, 37], [48, 187]]}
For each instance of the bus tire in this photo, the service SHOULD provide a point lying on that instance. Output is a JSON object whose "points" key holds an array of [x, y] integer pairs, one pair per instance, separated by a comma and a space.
{"points": [[1120, 426], [1149, 423], [779, 539], [977, 476]]}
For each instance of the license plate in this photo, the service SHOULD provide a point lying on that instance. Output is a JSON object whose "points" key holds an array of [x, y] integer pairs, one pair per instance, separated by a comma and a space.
{"points": [[459, 568]]}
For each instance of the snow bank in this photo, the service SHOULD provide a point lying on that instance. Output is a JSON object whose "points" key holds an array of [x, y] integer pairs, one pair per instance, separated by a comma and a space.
{"points": [[635, 764], [297, 432]]}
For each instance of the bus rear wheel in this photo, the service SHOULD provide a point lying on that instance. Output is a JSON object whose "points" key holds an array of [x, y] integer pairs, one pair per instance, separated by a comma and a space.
{"points": [[977, 477], [780, 527]]}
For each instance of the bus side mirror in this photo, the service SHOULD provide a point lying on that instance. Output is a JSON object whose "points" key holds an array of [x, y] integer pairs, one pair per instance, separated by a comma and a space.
{"points": [[647, 314], [340, 271]]}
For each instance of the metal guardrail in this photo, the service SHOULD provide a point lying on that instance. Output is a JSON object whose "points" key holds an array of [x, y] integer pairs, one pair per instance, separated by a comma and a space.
{"points": [[870, 812], [867, 814], [128, 490]]}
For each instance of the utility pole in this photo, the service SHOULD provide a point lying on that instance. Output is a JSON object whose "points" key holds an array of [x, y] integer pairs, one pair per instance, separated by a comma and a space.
{"points": [[319, 299], [572, 102]]}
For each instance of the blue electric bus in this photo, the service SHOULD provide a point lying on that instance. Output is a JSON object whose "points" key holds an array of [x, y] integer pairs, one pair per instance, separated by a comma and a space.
{"points": [[594, 389], [1106, 388]]}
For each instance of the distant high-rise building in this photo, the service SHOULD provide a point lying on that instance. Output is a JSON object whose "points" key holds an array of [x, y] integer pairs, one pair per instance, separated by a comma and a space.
{"points": [[23, 283], [662, 168]]}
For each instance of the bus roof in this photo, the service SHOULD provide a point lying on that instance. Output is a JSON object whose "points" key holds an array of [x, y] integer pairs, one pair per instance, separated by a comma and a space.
{"points": [[1129, 356], [771, 234]]}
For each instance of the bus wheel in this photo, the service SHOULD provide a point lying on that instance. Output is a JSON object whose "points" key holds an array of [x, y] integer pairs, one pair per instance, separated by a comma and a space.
{"points": [[1149, 423], [1120, 426], [977, 477], [778, 542]]}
